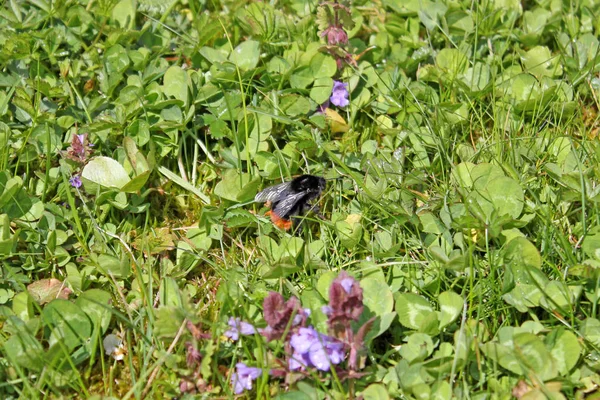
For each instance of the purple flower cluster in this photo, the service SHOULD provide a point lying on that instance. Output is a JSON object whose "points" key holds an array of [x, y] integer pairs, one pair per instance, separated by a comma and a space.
{"points": [[304, 348], [238, 326], [243, 377], [313, 349], [79, 151]]}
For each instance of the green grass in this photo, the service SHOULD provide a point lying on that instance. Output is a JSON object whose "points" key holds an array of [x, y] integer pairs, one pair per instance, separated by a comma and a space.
{"points": [[463, 191]]}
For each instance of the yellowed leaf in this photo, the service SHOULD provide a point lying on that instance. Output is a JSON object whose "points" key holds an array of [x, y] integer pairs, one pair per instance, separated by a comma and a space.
{"points": [[337, 124]]}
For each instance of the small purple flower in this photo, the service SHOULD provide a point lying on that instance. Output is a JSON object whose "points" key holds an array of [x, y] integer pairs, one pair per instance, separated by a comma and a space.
{"points": [[242, 379], [312, 349], [75, 181], [347, 283], [339, 94], [238, 326]]}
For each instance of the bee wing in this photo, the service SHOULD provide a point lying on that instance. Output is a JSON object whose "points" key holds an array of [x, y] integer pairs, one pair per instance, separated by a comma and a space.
{"points": [[285, 205], [272, 193]]}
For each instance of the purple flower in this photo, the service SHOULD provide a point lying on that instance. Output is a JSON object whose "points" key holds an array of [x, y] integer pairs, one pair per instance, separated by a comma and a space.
{"points": [[339, 94], [313, 349], [238, 326], [345, 300], [242, 379], [80, 150], [347, 283], [75, 181]]}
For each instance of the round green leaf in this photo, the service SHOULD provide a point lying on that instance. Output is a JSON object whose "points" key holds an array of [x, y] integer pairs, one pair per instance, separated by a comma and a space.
{"points": [[235, 188], [482, 174], [293, 105], [9, 187], [322, 66], [589, 328], [212, 55], [525, 87], [349, 233], [67, 322], [375, 391], [176, 83], [451, 305], [116, 59], [105, 172], [291, 247], [418, 347], [506, 195], [477, 77], [377, 296], [301, 78], [112, 266], [533, 356], [124, 13], [139, 130], [324, 283], [540, 62], [521, 252], [172, 113], [557, 296], [381, 325], [503, 356], [36, 210], [130, 94], [412, 309], [321, 90], [96, 304], [295, 395], [565, 349], [441, 391], [24, 349], [246, 55], [452, 61]]}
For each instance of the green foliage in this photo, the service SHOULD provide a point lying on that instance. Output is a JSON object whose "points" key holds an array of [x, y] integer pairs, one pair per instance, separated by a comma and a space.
{"points": [[463, 193]]}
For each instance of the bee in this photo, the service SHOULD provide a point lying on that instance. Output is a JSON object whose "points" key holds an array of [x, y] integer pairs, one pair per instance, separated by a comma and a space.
{"points": [[291, 199]]}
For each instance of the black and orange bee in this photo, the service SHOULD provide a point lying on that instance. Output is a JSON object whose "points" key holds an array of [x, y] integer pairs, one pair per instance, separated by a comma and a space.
{"points": [[291, 199]]}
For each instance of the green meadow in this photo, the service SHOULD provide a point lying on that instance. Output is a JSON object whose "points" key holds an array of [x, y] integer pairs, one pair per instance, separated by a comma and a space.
{"points": [[452, 251]]}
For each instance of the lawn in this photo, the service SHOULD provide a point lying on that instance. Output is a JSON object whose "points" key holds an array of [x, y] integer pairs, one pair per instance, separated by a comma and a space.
{"points": [[451, 250]]}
